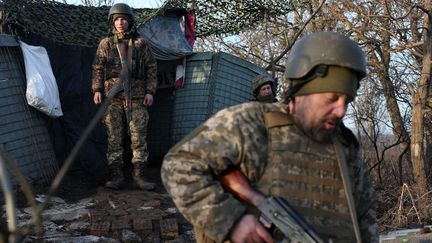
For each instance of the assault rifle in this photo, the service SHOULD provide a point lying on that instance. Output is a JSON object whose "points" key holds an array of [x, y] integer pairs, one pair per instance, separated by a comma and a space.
{"points": [[275, 211]]}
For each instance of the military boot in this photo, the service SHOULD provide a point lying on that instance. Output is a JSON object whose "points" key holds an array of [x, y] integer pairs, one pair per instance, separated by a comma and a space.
{"points": [[139, 180], [116, 176]]}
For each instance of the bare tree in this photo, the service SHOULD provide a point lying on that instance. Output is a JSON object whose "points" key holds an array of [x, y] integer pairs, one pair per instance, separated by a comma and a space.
{"points": [[419, 103]]}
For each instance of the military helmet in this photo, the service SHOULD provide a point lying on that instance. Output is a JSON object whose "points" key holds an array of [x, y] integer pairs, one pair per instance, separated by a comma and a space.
{"points": [[312, 52], [261, 79], [120, 8], [324, 48]]}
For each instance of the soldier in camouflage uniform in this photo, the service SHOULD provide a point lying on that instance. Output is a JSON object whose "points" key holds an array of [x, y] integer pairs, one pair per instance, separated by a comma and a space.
{"points": [[298, 149], [125, 53], [264, 88]]}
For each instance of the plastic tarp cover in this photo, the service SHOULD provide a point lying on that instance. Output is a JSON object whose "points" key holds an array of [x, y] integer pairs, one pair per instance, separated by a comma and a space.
{"points": [[42, 91], [166, 38]]}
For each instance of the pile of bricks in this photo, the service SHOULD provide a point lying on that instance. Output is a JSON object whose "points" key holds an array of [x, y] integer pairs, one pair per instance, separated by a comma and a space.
{"points": [[134, 210]]}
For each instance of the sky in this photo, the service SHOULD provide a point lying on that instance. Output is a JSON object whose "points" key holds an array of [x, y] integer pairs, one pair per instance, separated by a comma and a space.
{"points": [[142, 3], [132, 3]]}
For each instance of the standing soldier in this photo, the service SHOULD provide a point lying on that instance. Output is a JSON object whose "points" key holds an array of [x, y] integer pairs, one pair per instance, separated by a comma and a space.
{"points": [[264, 88], [298, 149], [125, 58]]}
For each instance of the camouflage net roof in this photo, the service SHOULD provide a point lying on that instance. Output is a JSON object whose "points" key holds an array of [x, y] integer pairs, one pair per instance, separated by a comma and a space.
{"points": [[85, 26]]}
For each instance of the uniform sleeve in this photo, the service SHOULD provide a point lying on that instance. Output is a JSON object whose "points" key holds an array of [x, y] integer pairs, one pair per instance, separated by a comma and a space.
{"points": [[190, 169], [150, 67], [99, 66], [366, 204]]}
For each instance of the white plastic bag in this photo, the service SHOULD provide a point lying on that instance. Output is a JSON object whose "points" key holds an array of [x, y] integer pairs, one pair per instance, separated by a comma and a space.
{"points": [[42, 91]]}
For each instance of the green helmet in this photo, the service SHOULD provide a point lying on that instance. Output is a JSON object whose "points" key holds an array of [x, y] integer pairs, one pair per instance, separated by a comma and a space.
{"points": [[120, 8], [322, 49], [261, 79]]}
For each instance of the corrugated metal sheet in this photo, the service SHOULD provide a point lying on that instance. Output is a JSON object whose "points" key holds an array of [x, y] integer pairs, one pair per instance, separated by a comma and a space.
{"points": [[213, 81], [23, 134]]}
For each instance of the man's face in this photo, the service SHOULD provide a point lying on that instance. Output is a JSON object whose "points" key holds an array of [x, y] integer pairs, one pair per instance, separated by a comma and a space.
{"points": [[121, 24], [266, 89], [319, 114]]}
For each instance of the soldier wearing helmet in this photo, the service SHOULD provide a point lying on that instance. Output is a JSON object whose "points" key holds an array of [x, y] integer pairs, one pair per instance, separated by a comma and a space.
{"points": [[121, 10], [264, 88], [299, 150], [124, 59]]}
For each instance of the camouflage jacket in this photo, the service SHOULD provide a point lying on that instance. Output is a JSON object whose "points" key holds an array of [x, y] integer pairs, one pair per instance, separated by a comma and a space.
{"points": [[238, 136], [107, 67]]}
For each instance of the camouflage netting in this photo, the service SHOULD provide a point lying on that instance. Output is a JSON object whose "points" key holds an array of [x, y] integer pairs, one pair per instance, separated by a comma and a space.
{"points": [[85, 26]]}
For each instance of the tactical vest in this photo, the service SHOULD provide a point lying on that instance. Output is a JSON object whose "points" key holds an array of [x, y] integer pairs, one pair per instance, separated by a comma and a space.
{"points": [[307, 175]]}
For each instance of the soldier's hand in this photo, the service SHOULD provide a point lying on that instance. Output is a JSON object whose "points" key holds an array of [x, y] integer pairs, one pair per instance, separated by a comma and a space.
{"points": [[248, 229], [97, 98], [148, 100]]}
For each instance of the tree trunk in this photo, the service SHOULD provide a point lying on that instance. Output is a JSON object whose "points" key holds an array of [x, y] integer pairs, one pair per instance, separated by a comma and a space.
{"points": [[419, 106], [399, 129]]}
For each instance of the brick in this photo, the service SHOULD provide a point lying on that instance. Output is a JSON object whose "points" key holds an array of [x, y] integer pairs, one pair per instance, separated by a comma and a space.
{"points": [[100, 228], [115, 202], [133, 201], [120, 224], [156, 214], [142, 226], [118, 212], [152, 204], [133, 211], [169, 227], [127, 217], [96, 214]]}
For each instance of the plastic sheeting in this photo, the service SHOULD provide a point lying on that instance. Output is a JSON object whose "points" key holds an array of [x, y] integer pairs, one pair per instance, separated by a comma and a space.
{"points": [[42, 91], [166, 38]]}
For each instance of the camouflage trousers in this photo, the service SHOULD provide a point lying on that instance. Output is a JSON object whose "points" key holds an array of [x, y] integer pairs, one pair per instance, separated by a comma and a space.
{"points": [[116, 124]]}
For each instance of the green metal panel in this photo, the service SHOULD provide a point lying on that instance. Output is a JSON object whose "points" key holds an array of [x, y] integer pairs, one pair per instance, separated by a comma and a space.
{"points": [[191, 102], [213, 81]]}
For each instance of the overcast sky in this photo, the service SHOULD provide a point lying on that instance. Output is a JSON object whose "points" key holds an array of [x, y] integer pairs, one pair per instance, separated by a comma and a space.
{"points": [[132, 3], [142, 3]]}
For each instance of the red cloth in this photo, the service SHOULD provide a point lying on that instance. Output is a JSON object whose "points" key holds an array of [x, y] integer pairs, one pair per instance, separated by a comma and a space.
{"points": [[190, 28]]}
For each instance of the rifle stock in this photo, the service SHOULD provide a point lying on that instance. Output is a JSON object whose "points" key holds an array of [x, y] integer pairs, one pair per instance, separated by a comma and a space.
{"points": [[275, 210]]}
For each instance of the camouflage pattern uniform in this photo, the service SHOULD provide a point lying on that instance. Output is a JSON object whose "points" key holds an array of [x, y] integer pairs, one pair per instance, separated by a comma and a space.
{"points": [[106, 70], [238, 136]]}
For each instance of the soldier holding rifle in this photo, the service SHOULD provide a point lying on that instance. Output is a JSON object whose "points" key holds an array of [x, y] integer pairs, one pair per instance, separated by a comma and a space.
{"points": [[297, 149]]}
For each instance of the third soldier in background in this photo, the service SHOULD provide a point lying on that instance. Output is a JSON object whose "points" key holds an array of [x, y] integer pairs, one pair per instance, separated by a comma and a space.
{"points": [[264, 88], [297, 149]]}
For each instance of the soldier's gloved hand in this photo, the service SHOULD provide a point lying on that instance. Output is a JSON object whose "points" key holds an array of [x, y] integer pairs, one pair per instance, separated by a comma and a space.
{"points": [[248, 229]]}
